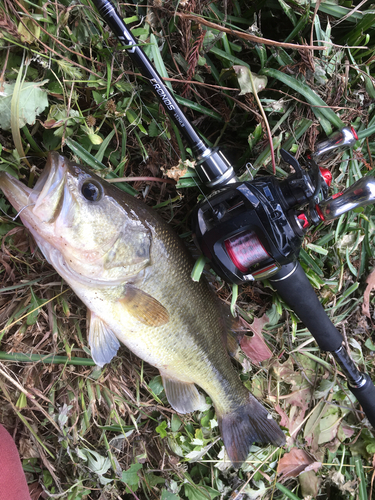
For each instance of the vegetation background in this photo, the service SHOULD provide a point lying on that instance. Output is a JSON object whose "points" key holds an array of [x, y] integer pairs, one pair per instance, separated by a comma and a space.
{"points": [[67, 85]]}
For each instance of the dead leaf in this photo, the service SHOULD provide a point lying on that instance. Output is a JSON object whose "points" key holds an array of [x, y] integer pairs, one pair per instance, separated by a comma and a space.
{"points": [[347, 430], [179, 170], [366, 296], [284, 422], [284, 371], [309, 482], [296, 417], [255, 347], [36, 491], [297, 401], [246, 82], [175, 173], [51, 123], [28, 448], [294, 463], [339, 480], [7, 268], [328, 428]]}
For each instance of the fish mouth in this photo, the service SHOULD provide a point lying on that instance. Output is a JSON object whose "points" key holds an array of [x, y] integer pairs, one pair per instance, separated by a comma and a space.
{"points": [[16, 192], [45, 199], [48, 193]]}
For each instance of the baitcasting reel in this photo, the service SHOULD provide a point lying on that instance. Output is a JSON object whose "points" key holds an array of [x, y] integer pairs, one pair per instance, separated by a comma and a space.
{"points": [[249, 230]]}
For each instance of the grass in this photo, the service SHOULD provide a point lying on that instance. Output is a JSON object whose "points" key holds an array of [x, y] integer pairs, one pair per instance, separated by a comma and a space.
{"points": [[86, 433]]}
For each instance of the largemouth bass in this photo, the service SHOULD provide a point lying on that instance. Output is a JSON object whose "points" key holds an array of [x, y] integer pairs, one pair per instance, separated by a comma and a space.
{"points": [[133, 273]]}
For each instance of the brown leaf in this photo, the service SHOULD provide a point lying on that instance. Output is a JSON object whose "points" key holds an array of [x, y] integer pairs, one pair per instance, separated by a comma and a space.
{"points": [[284, 371], [255, 347], [366, 296], [296, 417], [293, 463], [28, 448], [36, 491], [284, 422], [7, 268], [309, 484], [175, 173], [52, 123]]}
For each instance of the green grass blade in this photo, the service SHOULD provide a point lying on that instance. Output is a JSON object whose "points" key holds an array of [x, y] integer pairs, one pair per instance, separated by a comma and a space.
{"points": [[339, 11], [158, 61], [234, 299], [287, 492], [91, 161], [221, 54], [362, 493], [289, 11], [310, 96], [197, 107], [100, 154], [87, 158], [49, 359], [356, 34], [311, 262], [300, 26], [302, 127], [23, 285], [198, 268]]}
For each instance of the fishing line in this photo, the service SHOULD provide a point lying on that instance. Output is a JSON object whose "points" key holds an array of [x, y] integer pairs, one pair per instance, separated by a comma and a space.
{"points": [[22, 209]]}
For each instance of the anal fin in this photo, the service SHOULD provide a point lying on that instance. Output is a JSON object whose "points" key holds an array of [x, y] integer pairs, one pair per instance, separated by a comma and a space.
{"points": [[103, 342], [182, 396]]}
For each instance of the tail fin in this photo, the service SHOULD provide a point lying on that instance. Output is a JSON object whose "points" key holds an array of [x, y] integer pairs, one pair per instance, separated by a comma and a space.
{"points": [[249, 423]]}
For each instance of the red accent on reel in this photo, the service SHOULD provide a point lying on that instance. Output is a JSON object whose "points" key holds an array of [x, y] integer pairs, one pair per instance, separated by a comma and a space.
{"points": [[336, 195], [326, 174], [304, 221], [354, 133], [245, 250], [319, 212]]}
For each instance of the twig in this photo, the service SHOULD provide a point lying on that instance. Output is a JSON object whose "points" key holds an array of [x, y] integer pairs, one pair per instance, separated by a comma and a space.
{"points": [[313, 20], [15, 383], [50, 49], [349, 13], [27, 314], [247, 36], [144, 179], [266, 122]]}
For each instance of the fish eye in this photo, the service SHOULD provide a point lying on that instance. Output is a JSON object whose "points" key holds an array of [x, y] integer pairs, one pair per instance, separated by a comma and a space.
{"points": [[91, 190]]}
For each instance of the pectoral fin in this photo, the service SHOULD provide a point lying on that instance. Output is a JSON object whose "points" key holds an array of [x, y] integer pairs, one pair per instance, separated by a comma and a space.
{"points": [[143, 307], [103, 342], [182, 396]]}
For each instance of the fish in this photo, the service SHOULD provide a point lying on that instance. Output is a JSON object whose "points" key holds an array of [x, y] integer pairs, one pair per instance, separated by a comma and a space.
{"points": [[133, 273]]}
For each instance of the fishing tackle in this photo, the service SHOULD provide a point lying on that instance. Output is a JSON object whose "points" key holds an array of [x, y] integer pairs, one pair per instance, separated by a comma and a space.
{"points": [[254, 229]]}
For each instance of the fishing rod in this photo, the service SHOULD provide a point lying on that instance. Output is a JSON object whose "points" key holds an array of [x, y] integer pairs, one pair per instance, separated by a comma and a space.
{"points": [[254, 229]]}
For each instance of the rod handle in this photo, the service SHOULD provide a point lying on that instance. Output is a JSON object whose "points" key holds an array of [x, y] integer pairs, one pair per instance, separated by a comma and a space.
{"points": [[295, 288], [366, 397]]}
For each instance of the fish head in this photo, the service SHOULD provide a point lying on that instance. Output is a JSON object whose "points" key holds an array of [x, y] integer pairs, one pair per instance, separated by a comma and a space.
{"points": [[81, 223]]}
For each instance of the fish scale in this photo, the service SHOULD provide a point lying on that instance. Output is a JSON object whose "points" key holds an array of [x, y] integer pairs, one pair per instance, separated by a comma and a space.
{"points": [[134, 275]]}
